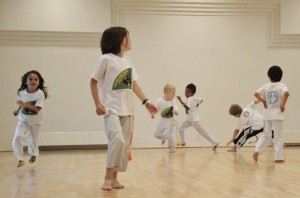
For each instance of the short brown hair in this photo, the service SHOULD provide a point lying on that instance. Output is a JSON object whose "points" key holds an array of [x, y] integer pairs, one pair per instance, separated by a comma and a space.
{"points": [[235, 109]]}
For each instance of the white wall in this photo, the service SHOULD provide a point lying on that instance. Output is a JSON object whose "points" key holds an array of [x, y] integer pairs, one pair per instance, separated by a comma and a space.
{"points": [[225, 49]]}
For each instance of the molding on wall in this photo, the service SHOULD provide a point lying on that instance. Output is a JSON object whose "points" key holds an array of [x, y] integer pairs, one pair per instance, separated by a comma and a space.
{"points": [[121, 8], [269, 10], [22, 37]]}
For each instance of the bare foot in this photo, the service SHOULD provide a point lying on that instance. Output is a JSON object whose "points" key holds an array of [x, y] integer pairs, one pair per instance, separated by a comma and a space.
{"points": [[255, 156], [279, 161], [215, 147], [116, 184], [32, 159], [107, 185], [233, 149], [163, 142], [21, 163], [172, 151]]}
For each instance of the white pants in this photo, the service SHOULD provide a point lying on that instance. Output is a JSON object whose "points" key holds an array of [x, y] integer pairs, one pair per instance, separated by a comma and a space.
{"points": [[266, 137], [186, 124], [118, 131], [165, 131], [33, 134]]}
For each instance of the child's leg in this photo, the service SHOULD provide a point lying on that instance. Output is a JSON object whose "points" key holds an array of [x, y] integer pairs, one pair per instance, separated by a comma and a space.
{"points": [[278, 141], [33, 141], [161, 132], [18, 140], [115, 183], [108, 179], [171, 138], [186, 124], [127, 129], [116, 142], [205, 134], [242, 138], [263, 140]]}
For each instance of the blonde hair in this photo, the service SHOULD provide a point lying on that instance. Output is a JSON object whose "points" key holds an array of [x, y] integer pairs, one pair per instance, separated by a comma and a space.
{"points": [[235, 109], [169, 87]]}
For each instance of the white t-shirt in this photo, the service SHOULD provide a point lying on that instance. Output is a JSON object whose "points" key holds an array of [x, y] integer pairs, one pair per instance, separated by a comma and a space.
{"points": [[273, 94], [37, 99], [251, 117], [166, 108], [193, 103], [115, 76]]}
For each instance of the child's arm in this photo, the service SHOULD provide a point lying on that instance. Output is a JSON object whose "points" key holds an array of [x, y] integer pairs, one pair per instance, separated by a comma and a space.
{"points": [[260, 98], [140, 94], [16, 112], [183, 104], [29, 106], [100, 109], [284, 100], [235, 133]]}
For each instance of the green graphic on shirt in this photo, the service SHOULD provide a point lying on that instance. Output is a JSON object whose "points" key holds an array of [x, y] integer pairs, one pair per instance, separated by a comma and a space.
{"points": [[27, 111], [123, 81], [167, 113]]}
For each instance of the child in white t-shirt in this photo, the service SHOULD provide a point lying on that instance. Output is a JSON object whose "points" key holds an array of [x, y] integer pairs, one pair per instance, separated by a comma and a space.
{"points": [[248, 117], [167, 108], [31, 97], [193, 118], [274, 96], [112, 85]]}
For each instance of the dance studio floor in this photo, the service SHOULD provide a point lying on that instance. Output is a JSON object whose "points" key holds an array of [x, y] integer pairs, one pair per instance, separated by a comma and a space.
{"points": [[191, 172]]}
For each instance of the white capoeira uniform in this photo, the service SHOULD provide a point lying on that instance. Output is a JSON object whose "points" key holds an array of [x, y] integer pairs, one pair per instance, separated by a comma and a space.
{"points": [[193, 119], [254, 120], [165, 128], [273, 117], [29, 124], [115, 76]]}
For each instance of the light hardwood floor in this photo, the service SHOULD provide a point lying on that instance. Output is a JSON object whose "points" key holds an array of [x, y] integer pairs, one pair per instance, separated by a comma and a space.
{"points": [[191, 172]]}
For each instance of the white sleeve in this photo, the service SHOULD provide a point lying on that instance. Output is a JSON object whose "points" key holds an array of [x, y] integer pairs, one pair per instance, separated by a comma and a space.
{"points": [[252, 105], [100, 68], [175, 107], [41, 99], [198, 100], [261, 90]]}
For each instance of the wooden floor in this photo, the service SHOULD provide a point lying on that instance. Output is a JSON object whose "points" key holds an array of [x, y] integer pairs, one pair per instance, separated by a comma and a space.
{"points": [[191, 172]]}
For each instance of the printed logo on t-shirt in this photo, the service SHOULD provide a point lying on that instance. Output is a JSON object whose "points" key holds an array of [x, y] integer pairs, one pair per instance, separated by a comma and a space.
{"points": [[167, 113], [246, 114], [123, 80], [272, 97], [27, 111]]}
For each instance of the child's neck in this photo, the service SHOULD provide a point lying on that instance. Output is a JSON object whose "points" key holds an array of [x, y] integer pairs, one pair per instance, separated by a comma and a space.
{"points": [[30, 90], [166, 98]]}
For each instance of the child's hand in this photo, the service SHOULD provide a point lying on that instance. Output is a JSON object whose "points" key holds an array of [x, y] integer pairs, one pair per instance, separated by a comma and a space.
{"points": [[265, 104], [282, 107], [20, 102], [152, 109], [176, 113], [16, 112], [100, 109]]}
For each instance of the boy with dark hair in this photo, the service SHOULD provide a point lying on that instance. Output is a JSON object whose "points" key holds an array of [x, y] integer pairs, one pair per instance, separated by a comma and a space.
{"points": [[193, 118], [274, 96]]}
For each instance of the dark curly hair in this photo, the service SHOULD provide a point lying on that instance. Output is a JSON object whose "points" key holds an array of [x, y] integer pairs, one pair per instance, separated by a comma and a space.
{"points": [[275, 73], [191, 87], [112, 39], [41, 82]]}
